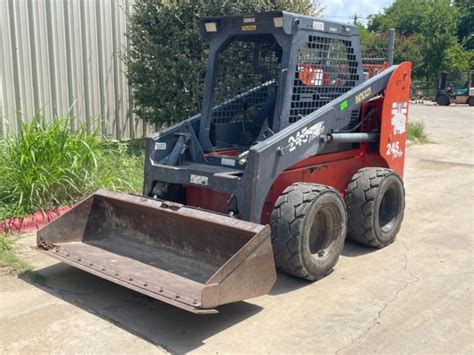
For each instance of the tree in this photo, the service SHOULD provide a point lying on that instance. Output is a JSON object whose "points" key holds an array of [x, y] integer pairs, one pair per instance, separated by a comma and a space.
{"points": [[432, 25], [167, 54], [407, 48], [405, 16], [466, 26]]}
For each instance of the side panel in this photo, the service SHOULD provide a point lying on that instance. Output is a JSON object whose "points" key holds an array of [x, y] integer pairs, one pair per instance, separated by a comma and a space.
{"points": [[394, 125], [332, 169], [207, 199]]}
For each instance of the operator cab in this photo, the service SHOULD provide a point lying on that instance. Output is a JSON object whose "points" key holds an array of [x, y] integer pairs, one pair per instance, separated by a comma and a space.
{"points": [[268, 70]]}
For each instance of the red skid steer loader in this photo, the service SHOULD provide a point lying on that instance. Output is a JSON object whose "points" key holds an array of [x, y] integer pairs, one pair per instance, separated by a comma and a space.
{"points": [[292, 150]]}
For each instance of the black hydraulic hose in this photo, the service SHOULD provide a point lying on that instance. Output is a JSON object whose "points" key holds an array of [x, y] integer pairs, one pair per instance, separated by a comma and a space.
{"points": [[367, 117]]}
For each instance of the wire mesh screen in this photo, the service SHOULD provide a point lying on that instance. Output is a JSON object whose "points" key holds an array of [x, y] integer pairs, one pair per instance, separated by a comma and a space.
{"points": [[246, 79], [326, 68]]}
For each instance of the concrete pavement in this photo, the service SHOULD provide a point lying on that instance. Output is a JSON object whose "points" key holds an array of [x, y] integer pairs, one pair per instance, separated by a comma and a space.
{"points": [[415, 296]]}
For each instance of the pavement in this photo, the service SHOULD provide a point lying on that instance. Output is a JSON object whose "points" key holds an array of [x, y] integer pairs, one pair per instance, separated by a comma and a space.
{"points": [[415, 296]]}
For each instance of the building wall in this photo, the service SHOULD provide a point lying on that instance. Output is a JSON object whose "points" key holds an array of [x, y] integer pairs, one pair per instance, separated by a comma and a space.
{"points": [[63, 57]]}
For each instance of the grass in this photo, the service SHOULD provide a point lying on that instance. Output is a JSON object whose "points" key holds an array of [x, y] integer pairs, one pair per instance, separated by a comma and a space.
{"points": [[11, 260], [416, 132], [48, 166]]}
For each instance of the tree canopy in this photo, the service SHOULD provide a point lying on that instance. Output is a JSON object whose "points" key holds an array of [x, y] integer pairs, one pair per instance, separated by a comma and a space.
{"points": [[433, 34], [167, 54]]}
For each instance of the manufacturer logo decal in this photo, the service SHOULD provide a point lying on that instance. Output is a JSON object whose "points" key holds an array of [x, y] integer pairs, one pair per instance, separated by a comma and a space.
{"points": [[363, 95], [305, 135], [399, 117]]}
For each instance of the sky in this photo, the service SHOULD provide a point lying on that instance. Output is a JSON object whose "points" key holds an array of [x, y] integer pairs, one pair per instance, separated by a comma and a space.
{"points": [[344, 10]]}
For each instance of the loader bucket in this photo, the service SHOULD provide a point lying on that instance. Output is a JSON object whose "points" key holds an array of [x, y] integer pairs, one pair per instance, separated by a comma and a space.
{"points": [[189, 258]]}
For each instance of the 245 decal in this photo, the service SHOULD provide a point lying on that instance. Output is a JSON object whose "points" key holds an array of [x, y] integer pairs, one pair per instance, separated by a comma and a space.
{"points": [[394, 150], [305, 135]]}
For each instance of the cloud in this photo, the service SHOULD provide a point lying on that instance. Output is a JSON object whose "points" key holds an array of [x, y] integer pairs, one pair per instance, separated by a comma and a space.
{"points": [[345, 10]]}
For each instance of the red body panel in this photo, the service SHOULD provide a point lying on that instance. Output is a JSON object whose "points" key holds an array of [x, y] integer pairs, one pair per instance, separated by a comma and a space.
{"points": [[208, 199], [336, 169], [395, 118]]}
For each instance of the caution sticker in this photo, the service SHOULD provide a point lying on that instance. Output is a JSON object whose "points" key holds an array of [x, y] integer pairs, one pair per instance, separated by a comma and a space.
{"points": [[199, 179], [249, 27]]}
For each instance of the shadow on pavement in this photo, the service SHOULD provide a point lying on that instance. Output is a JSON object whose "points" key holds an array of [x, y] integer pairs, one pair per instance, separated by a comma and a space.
{"points": [[353, 249], [286, 283], [154, 321]]}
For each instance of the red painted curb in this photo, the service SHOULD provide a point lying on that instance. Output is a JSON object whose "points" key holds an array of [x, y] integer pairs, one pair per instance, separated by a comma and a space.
{"points": [[33, 222]]}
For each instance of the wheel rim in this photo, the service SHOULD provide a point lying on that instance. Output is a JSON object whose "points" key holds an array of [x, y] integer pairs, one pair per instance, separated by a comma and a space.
{"points": [[388, 210], [322, 235]]}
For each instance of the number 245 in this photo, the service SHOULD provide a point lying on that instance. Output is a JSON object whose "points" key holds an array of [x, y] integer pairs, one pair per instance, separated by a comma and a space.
{"points": [[393, 148]]}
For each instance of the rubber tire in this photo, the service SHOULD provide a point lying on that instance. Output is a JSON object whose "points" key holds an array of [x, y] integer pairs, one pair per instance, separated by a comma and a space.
{"points": [[291, 221], [470, 101], [364, 196], [442, 100]]}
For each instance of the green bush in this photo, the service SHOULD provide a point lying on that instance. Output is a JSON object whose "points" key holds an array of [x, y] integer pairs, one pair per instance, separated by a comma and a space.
{"points": [[416, 132], [48, 165], [167, 53]]}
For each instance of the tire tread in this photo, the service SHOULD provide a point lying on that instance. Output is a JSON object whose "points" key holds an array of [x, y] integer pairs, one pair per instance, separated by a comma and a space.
{"points": [[288, 214], [360, 198]]}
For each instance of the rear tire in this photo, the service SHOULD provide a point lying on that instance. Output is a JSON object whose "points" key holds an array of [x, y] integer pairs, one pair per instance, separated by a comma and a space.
{"points": [[375, 202], [470, 101], [442, 100], [308, 230]]}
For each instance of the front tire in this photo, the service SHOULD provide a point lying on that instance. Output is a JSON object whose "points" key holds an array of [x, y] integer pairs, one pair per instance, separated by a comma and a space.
{"points": [[470, 101], [308, 230], [375, 201], [442, 100]]}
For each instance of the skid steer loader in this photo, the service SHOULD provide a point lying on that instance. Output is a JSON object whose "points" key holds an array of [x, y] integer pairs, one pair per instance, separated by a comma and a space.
{"points": [[292, 151]]}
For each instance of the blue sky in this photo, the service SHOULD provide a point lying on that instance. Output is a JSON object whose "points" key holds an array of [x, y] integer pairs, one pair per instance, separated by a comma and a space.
{"points": [[344, 10]]}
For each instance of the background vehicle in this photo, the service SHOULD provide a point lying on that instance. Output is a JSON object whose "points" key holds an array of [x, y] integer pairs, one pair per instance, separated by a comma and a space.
{"points": [[447, 94]]}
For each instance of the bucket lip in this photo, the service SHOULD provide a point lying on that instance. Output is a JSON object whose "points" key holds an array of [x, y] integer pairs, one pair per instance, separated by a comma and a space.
{"points": [[180, 209], [163, 298]]}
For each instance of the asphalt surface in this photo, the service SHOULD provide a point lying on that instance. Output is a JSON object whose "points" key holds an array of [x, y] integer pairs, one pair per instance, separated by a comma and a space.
{"points": [[415, 296]]}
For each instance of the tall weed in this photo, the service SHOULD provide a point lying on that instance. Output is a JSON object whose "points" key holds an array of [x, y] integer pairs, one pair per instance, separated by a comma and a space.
{"points": [[48, 165], [416, 132]]}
